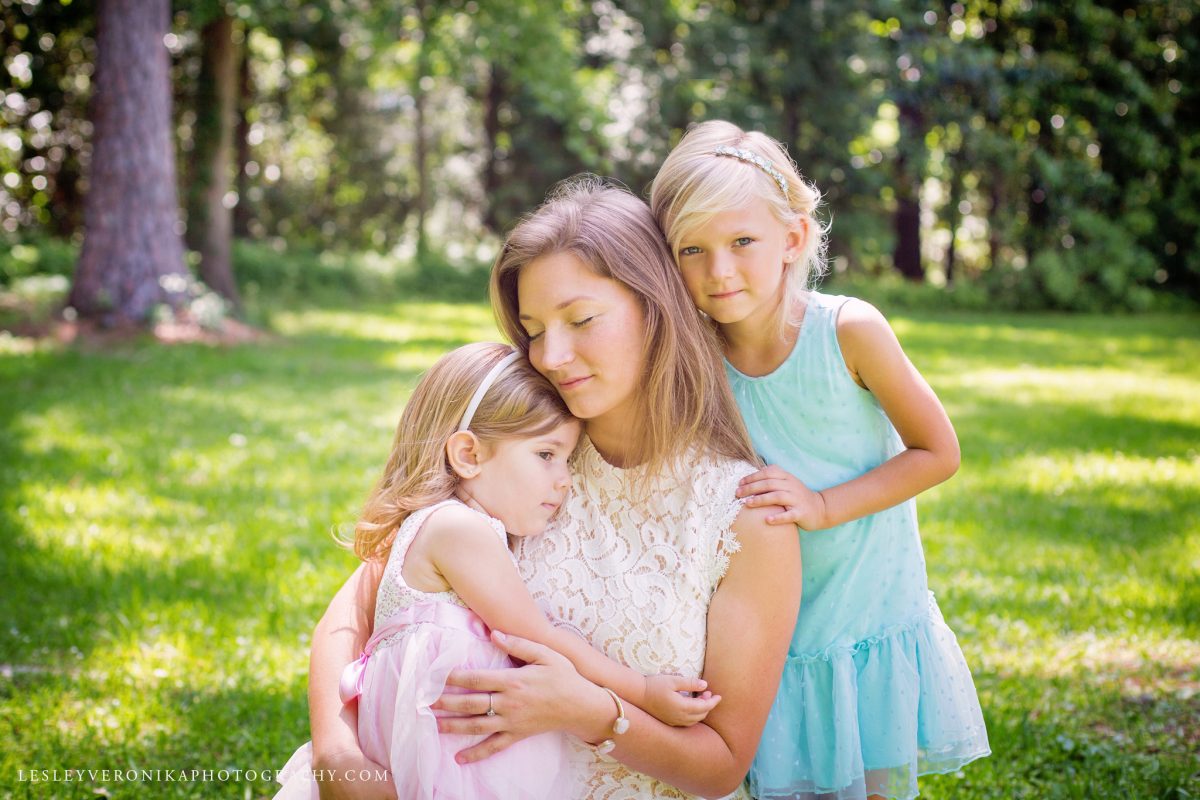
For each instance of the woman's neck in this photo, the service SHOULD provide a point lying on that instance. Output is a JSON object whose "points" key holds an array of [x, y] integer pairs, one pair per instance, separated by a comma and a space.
{"points": [[612, 436]]}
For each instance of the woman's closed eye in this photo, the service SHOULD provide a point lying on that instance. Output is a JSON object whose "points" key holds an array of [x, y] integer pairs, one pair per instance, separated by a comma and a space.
{"points": [[579, 323]]}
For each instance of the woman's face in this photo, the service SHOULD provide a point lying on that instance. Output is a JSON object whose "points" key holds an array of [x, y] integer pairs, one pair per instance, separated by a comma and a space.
{"points": [[587, 335]]}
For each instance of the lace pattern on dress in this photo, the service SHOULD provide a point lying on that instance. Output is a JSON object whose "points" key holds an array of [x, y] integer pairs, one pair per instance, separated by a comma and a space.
{"points": [[394, 594], [635, 578]]}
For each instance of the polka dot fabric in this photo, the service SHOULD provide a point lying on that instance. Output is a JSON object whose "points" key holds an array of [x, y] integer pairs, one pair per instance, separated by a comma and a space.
{"points": [[875, 691]]}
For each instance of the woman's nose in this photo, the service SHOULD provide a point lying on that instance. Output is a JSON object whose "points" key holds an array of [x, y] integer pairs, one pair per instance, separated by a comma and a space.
{"points": [[556, 350]]}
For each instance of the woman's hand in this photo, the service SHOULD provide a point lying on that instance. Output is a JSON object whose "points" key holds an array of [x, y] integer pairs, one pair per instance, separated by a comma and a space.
{"points": [[546, 694], [774, 486]]}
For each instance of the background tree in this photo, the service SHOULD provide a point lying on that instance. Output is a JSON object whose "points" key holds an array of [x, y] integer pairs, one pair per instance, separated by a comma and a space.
{"points": [[132, 256]]}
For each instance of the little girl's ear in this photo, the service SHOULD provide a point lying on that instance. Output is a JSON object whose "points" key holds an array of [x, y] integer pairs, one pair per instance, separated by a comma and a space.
{"points": [[797, 237], [464, 451]]}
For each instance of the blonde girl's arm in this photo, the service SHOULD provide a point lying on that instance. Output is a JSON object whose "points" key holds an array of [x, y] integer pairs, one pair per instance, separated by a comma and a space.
{"points": [[337, 640], [466, 552], [750, 622], [878, 364]]}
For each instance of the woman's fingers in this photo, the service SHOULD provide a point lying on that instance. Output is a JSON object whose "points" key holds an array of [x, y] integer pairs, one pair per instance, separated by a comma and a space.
{"points": [[479, 680], [455, 703], [488, 747], [474, 725], [523, 649]]}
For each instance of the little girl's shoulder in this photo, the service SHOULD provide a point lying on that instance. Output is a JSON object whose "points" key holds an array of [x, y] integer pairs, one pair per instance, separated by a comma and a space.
{"points": [[458, 521]]}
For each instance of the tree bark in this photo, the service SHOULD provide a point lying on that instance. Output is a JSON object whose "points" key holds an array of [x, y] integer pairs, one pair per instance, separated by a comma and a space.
{"points": [[211, 221], [131, 246], [907, 253], [241, 212]]}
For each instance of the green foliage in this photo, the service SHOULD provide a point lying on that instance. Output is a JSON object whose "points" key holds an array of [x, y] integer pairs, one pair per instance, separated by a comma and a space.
{"points": [[165, 521]]}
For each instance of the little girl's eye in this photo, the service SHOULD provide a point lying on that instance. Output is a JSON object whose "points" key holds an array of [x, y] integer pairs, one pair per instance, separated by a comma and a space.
{"points": [[742, 241], [689, 251], [546, 455]]}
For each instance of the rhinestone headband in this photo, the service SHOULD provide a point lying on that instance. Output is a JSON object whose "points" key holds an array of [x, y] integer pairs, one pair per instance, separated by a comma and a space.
{"points": [[758, 161], [484, 385]]}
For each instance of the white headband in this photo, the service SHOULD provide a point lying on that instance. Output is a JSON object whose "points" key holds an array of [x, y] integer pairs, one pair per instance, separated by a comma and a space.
{"points": [[486, 384]]}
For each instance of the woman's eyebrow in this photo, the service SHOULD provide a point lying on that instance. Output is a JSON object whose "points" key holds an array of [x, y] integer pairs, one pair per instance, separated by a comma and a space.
{"points": [[563, 304]]}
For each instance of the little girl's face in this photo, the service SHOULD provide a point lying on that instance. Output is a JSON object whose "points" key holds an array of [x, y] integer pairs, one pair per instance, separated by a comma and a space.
{"points": [[734, 265], [522, 482]]}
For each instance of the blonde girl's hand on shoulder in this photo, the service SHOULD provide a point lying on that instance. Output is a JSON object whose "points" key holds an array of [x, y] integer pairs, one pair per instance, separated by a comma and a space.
{"points": [[775, 486]]}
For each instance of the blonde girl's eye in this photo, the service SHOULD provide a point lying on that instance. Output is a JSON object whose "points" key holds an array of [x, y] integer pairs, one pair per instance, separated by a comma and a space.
{"points": [[690, 250], [742, 241]]}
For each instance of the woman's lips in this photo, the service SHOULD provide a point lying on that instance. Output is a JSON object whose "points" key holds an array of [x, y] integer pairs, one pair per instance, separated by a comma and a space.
{"points": [[573, 383]]}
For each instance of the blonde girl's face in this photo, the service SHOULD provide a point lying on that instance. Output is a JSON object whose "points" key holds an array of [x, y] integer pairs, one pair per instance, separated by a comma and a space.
{"points": [[523, 481], [734, 265], [586, 335]]}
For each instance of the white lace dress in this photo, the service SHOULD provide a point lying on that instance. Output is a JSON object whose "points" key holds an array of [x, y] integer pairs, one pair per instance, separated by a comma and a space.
{"points": [[635, 579]]}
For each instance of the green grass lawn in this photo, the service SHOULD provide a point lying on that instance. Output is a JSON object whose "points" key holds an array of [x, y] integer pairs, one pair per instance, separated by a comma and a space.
{"points": [[166, 519]]}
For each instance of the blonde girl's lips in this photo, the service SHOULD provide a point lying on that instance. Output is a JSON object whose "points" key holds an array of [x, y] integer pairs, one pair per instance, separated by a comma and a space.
{"points": [[725, 295]]}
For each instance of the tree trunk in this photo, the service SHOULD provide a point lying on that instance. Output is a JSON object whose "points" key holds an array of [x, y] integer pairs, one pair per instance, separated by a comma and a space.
{"points": [[131, 244], [241, 212], [493, 98], [956, 164], [907, 254], [423, 70], [211, 220]]}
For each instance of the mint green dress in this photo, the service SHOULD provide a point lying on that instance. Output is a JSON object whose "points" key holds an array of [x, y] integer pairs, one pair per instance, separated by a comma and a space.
{"points": [[875, 690]]}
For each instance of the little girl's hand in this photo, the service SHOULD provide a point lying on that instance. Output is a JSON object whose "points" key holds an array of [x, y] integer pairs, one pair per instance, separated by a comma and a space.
{"points": [[773, 486], [669, 698]]}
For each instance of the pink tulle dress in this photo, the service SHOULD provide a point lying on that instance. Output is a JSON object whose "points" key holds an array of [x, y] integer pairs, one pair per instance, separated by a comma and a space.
{"points": [[419, 637]]}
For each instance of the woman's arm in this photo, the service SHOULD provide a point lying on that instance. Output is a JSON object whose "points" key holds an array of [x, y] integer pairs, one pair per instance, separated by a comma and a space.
{"points": [[878, 364], [750, 622], [337, 640], [472, 560]]}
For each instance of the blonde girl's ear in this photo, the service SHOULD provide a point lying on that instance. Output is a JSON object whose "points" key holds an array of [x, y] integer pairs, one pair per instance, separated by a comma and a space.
{"points": [[797, 238], [465, 453]]}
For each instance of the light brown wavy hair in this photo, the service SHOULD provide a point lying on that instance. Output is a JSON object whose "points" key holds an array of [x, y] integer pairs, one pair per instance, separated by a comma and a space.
{"points": [[520, 404], [684, 400]]}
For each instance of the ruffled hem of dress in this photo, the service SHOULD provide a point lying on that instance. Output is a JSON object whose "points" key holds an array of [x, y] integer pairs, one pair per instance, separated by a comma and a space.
{"points": [[871, 717]]}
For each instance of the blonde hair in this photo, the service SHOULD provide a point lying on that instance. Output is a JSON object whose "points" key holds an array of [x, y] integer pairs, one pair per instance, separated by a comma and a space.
{"points": [[694, 184], [521, 403], [683, 400]]}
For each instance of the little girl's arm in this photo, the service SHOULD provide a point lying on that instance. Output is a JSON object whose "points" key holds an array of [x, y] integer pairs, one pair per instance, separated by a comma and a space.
{"points": [[877, 363], [470, 558]]}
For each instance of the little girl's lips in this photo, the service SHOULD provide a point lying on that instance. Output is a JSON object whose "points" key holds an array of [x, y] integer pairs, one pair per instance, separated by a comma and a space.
{"points": [[725, 295]]}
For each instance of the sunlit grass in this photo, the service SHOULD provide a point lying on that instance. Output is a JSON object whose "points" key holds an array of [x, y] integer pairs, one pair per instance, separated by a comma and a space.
{"points": [[166, 518]]}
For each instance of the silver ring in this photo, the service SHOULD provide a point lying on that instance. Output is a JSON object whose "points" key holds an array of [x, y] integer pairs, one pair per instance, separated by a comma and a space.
{"points": [[491, 712]]}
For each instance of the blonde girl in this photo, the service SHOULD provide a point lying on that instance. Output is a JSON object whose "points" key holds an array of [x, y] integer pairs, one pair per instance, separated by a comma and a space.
{"points": [[875, 690], [480, 456]]}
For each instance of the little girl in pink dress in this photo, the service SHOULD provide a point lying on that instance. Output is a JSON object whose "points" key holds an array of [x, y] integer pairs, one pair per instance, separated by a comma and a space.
{"points": [[480, 455]]}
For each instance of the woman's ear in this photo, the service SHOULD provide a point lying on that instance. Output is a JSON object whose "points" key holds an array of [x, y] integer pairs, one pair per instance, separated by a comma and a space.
{"points": [[465, 453], [797, 238]]}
